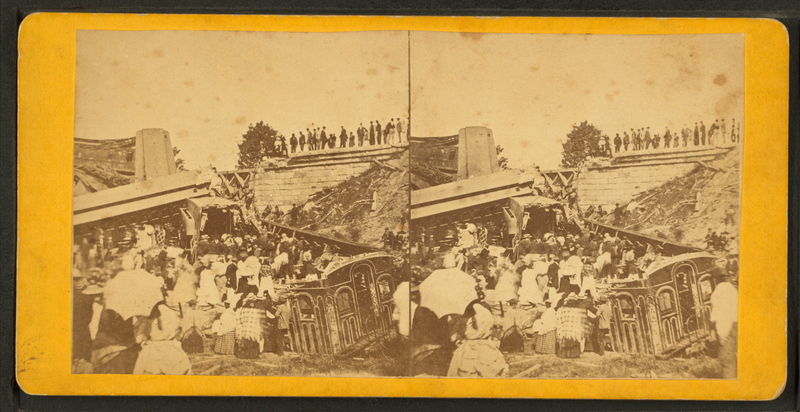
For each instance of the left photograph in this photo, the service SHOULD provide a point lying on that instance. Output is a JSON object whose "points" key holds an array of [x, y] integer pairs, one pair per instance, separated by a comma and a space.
{"points": [[240, 203]]}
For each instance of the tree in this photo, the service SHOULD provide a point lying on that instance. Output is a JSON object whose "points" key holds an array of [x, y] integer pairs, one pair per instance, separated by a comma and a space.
{"points": [[258, 142], [179, 163], [502, 160], [581, 142]]}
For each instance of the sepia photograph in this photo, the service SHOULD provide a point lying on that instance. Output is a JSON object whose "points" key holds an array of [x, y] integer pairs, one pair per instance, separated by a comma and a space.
{"points": [[562, 206], [575, 205], [240, 203], [402, 207]]}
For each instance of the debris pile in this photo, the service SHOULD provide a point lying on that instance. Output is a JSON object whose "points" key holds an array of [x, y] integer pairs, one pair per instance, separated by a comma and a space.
{"points": [[360, 208], [427, 175], [96, 177], [683, 209]]}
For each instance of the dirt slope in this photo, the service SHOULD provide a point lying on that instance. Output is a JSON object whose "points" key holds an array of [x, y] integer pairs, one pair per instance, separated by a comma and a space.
{"points": [[346, 211], [684, 208]]}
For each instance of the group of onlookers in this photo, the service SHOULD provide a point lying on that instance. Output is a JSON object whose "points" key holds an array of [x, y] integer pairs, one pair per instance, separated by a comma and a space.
{"points": [[642, 139], [224, 302], [316, 138]]}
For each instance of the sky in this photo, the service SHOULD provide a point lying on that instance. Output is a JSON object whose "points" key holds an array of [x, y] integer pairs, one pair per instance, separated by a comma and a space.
{"points": [[530, 89], [206, 87]]}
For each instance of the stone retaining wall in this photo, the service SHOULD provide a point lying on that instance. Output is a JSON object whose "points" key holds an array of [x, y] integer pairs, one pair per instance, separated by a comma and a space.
{"points": [[293, 181]]}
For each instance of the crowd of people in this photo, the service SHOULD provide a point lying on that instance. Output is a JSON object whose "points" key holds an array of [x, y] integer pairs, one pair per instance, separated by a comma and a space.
{"points": [[221, 299], [642, 139], [319, 138], [548, 295]]}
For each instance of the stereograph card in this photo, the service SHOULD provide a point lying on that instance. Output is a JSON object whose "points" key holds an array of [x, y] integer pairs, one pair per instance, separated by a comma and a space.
{"points": [[415, 206]]}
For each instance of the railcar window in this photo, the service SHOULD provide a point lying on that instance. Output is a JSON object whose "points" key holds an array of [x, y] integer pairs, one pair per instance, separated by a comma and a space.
{"points": [[306, 307], [385, 290], [344, 302], [666, 301], [626, 305]]}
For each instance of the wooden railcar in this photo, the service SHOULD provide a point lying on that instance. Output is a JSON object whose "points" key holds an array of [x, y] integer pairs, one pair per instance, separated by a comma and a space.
{"points": [[349, 308], [665, 311]]}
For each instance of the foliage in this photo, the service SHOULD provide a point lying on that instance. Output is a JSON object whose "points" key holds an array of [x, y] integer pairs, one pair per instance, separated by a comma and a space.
{"points": [[502, 160], [581, 142], [179, 163], [257, 143]]}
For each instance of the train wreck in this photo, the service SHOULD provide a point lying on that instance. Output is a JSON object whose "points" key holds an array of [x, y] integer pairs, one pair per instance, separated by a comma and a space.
{"points": [[201, 234], [507, 228]]}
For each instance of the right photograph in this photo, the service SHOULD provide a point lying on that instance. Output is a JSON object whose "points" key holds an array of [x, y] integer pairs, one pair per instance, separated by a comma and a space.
{"points": [[575, 205]]}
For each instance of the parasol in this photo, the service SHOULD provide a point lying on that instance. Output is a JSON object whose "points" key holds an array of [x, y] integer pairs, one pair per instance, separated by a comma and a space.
{"points": [[133, 293], [447, 291]]}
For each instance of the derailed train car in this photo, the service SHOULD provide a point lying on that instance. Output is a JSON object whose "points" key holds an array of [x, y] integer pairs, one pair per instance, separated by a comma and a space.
{"points": [[349, 308], [666, 311]]}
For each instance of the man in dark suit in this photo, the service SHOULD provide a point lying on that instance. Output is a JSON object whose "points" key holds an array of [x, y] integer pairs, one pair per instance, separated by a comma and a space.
{"points": [[323, 139], [360, 132], [343, 138], [626, 141], [696, 135], [371, 134], [293, 143], [702, 133], [647, 139], [378, 131], [617, 143], [302, 140], [352, 140], [312, 140]]}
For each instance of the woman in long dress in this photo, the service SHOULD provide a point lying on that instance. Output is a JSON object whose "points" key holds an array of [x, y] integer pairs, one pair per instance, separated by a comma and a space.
{"points": [[477, 355], [249, 325]]}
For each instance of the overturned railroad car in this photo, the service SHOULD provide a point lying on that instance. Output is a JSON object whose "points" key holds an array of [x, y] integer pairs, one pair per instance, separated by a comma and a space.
{"points": [[666, 311], [347, 310]]}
